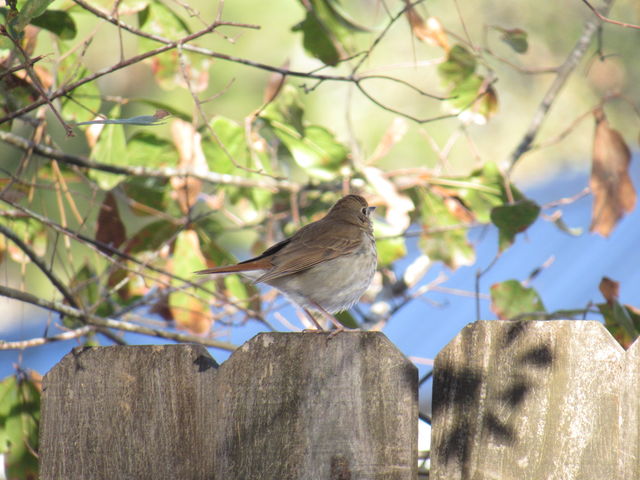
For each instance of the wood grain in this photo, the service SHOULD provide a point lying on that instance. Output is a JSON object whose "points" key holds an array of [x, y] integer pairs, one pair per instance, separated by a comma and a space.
{"points": [[535, 400], [283, 406]]}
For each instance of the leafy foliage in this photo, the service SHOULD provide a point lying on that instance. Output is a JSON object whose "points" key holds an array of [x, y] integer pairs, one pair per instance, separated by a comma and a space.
{"points": [[192, 158]]}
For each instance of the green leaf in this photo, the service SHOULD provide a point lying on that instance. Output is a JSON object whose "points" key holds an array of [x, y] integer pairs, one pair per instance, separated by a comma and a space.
{"points": [[147, 192], [232, 137], [83, 103], [15, 93], [516, 39], [157, 17], [85, 288], [622, 321], [111, 148], [512, 219], [58, 22], [208, 229], [482, 190], [20, 414], [317, 41], [326, 29], [286, 109], [472, 95], [347, 319], [187, 255], [31, 232], [313, 148], [510, 299], [450, 247], [152, 236], [343, 18], [242, 291], [28, 11], [460, 65], [390, 249], [148, 150]]}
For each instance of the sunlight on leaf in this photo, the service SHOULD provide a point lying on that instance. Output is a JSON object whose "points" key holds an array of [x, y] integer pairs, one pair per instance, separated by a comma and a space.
{"points": [[512, 219], [510, 299]]}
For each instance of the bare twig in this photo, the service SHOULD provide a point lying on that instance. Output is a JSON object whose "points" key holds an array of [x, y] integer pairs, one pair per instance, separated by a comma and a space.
{"points": [[607, 19], [564, 71], [97, 321], [105, 71], [567, 200], [140, 171], [28, 65], [36, 342], [17, 68], [57, 283]]}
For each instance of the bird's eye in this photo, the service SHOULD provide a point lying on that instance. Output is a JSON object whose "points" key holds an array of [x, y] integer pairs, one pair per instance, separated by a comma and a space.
{"points": [[365, 210]]}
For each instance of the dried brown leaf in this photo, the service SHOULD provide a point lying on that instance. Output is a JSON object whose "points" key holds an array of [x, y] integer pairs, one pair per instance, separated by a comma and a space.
{"points": [[274, 85], [110, 229], [613, 191], [610, 289], [393, 135], [430, 31], [190, 313], [188, 142]]}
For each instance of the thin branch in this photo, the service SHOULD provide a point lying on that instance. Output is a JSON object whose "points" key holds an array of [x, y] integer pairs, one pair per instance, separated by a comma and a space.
{"points": [[40, 264], [36, 80], [105, 71], [97, 321], [384, 31], [36, 342], [283, 71], [564, 71], [567, 200], [267, 183], [607, 19], [210, 53], [106, 251], [17, 68]]}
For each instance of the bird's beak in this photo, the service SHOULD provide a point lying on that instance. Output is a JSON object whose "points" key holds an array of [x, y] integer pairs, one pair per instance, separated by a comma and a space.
{"points": [[371, 210]]}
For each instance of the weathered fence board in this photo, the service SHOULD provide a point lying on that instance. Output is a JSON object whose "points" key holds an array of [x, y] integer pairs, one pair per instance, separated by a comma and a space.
{"points": [[535, 400], [128, 412], [284, 406]]}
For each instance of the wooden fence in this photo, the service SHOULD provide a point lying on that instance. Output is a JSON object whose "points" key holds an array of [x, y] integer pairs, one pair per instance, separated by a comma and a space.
{"points": [[537, 400], [284, 406]]}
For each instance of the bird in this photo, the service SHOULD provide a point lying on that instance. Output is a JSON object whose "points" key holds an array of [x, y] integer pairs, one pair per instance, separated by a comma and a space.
{"points": [[325, 266]]}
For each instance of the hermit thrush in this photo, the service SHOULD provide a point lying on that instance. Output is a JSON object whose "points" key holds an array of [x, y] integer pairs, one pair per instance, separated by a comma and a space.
{"points": [[325, 266]]}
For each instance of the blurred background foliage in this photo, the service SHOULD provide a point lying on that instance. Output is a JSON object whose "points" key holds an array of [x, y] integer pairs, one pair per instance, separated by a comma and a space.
{"points": [[144, 165]]}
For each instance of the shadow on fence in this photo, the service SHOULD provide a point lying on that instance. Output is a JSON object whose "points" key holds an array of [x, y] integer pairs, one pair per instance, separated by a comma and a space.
{"points": [[536, 400]]}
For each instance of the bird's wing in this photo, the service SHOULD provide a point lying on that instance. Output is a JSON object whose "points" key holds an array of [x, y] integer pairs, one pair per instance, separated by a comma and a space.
{"points": [[310, 246]]}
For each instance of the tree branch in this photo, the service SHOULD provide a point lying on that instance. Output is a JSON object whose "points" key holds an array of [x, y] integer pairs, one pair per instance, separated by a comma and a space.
{"points": [[36, 342], [607, 19], [564, 71], [267, 183], [96, 321], [40, 264], [105, 71]]}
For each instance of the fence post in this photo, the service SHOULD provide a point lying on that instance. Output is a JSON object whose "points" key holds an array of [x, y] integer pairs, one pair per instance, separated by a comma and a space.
{"points": [[128, 412], [283, 406], [535, 400]]}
